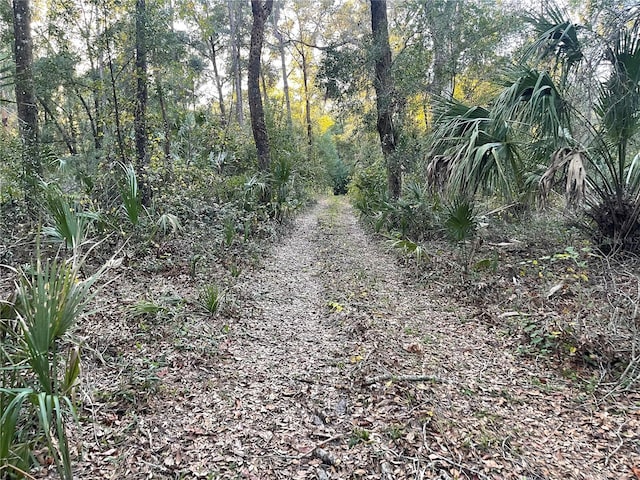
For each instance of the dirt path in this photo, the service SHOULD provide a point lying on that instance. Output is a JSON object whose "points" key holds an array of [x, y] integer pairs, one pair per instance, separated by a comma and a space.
{"points": [[286, 390]]}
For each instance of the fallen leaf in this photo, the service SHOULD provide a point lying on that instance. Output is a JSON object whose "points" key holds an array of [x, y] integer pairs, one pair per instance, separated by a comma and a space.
{"points": [[491, 464], [554, 289]]}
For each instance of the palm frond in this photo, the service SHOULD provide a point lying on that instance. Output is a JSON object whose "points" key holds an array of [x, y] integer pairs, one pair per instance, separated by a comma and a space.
{"points": [[472, 150], [573, 161], [557, 39], [532, 100], [619, 98]]}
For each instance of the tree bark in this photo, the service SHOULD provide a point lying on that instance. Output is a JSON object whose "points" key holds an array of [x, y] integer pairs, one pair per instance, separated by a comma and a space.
{"points": [[385, 102], [25, 93], [235, 62], [261, 10], [283, 65], [140, 119], [307, 101]]}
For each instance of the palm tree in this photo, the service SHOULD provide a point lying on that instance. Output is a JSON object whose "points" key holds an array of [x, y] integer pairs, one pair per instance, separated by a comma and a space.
{"points": [[543, 116]]}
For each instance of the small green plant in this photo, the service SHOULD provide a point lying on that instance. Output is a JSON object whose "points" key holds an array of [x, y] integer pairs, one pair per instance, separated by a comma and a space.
{"points": [[228, 231], [167, 224], [461, 226], [70, 224], [211, 297], [40, 370], [409, 248], [395, 432], [146, 308], [131, 198], [235, 271], [359, 435], [193, 264]]}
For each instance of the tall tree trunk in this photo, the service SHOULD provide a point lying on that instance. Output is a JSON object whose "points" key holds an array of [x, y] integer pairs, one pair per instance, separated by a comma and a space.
{"points": [[235, 61], [140, 113], [385, 102], [216, 77], [443, 66], [261, 10], [283, 64], [166, 146], [307, 102], [25, 94], [116, 106]]}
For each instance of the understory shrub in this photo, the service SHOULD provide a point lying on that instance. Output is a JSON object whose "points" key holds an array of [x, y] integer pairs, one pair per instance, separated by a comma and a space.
{"points": [[40, 364]]}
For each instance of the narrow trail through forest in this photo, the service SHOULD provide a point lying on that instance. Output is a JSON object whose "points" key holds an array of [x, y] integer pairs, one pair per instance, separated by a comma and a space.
{"points": [[290, 391]]}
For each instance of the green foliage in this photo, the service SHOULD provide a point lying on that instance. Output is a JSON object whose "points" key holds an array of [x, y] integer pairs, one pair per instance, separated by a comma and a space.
{"points": [[131, 198], [338, 170], [71, 225], [10, 167], [461, 224], [540, 115], [38, 380], [229, 231], [472, 152], [340, 174], [359, 435], [168, 224], [146, 308], [460, 221], [368, 189], [285, 197], [49, 303], [12, 448], [211, 297], [409, 248]]}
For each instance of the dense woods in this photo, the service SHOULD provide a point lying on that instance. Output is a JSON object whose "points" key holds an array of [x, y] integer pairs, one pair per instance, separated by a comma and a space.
{"points": [[493, 147]]}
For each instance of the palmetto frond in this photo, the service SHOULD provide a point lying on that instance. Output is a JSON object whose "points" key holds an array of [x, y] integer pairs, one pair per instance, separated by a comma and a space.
{"points": [[472, 150], [532, 100], [557, 39], [619, 100]]}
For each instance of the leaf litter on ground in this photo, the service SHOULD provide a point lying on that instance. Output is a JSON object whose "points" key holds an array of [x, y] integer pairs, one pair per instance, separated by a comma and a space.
{"points": [[402, 381]]}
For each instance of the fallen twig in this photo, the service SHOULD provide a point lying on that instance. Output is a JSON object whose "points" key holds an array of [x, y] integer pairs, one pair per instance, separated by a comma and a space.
{"points": [[402, 378]]}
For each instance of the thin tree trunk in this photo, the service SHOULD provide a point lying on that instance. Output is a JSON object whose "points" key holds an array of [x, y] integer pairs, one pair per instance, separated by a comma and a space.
{"points": [[166, 146], [261, 10], [25, 94], [140, 120], [68, 140], [307, 102], [383, 84], [99, 118], [283, 65], [97, 143], [235, 62], [116, 106], [218, 82]]}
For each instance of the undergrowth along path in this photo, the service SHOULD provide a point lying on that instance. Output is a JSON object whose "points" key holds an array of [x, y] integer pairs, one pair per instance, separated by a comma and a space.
{"points": [[336, 365]]}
